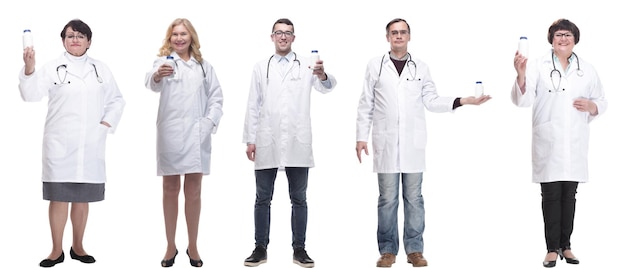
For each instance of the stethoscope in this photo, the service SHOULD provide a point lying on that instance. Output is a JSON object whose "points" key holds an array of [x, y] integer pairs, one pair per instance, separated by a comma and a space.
{"points": [[579, 72], [64, 66], [408, 63], [293, 78], [201, 66]]}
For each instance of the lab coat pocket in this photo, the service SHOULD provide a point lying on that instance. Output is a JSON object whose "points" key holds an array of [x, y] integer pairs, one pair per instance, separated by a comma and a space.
{"points": [[419, 140], [550, 85], [414, 88], [102, 140], [304, 135], [55, 145], [170, 136], [303, 142], [56, 87], [266, 152], [378, 135], [542, 142], [264, 137], [206, 129]]}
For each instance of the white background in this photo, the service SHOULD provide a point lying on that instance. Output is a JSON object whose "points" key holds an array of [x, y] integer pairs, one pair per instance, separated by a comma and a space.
{"points": [[481, 207]]}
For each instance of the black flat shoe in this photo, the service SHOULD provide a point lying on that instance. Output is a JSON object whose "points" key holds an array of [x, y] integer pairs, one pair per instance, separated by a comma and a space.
{"points": [[83, 258], [169, 262], [194, 263], [568, 260], [50, 263]]}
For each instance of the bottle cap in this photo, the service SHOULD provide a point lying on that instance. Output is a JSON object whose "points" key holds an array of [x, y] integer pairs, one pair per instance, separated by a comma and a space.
{"points": [[479, 82], [523, 37], [170, 57], [313, 51], [27, 30]]}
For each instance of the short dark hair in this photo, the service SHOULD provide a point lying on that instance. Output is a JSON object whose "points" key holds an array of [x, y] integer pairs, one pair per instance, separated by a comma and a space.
{"points": [[79, 26], [563, 24], [283, 21], [397, 20]]}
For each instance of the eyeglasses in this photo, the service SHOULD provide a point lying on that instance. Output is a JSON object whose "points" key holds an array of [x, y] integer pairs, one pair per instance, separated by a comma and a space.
{"points": [[563, 35], [78, 37], [281, 33], [401, 32]]}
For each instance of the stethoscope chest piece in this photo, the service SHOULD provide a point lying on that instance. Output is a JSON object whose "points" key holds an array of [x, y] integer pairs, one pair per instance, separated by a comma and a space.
{"points": [[580, 73]]}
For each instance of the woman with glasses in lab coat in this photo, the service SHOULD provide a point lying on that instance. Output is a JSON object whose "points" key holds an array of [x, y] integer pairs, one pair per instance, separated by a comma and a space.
{"points": [[566, 95], [84, 105]]}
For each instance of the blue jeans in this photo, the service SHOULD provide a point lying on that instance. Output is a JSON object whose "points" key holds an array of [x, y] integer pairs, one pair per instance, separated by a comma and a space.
{"points": [[297, 178], [388, 187]]}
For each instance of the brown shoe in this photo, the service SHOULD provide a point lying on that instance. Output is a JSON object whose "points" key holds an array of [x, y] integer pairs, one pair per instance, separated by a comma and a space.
{"points": [[417, 259], [386, 260]]}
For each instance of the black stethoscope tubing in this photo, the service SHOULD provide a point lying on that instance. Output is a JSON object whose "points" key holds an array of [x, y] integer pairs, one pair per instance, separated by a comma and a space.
{"points": [[408, 62], [201, 66], [579, 72], [62, 81], [267, 72]]}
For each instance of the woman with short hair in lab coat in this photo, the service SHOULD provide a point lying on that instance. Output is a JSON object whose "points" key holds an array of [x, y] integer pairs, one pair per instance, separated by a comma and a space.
{"points": [[190, 109], [566, 95], [84, 104]]}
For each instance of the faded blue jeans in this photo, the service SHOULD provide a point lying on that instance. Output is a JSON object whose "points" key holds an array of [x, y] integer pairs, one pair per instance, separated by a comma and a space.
{"points": [[388, 187], [298, 178]]}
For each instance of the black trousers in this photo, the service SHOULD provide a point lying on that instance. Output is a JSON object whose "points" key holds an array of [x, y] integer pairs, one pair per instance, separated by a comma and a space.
{"points": [[558, 202]]}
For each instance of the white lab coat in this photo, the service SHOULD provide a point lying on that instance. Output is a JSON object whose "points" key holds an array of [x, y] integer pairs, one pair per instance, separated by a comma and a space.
{"points": [[560, 133], [74, 140], [394, 105], [190, 109], [278, 115]]}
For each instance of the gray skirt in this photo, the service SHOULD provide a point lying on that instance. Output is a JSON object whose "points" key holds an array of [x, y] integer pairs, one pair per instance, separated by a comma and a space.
{"points": [[73, 192]]}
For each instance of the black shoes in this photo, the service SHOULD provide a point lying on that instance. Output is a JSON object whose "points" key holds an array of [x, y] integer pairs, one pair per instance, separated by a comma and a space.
{"points": [[169, 262], [83, 259], [551, 263], [194, 263], [50, 263], [560, 255], [568, 260], [60, 259], [301, 258], [258, 257]]}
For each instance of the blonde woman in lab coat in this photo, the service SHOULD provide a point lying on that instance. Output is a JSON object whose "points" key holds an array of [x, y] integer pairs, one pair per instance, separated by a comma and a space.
{"points": [[566, 95], [84, 105], [190, 110]]}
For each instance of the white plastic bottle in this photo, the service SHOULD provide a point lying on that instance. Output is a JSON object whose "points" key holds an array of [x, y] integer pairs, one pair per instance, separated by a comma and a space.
{"points": [[314, 58], [169, 60], [27, 38], [479, 89], [522, 46]]}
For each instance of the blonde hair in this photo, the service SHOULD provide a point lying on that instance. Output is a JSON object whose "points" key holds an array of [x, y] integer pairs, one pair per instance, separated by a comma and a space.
{"points": [[166, 49]]}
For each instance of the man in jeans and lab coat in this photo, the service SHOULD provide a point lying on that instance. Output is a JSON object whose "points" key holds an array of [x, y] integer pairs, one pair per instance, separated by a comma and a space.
{"points": [[277, 132], [396, 90]]}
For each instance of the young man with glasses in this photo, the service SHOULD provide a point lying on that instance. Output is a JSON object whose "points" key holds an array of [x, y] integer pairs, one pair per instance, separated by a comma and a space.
{"points": [[277, 132]]}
